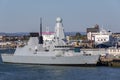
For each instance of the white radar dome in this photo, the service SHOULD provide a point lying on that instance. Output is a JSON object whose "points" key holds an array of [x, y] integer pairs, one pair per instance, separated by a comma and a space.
{"points": [[59, 19]]}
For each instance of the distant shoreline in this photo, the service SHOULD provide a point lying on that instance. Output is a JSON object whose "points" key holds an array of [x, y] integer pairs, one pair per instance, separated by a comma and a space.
{"points": [[27, 33]]}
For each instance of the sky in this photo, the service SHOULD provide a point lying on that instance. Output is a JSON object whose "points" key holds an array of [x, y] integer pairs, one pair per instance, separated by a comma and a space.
{"points": [[77, 15]]}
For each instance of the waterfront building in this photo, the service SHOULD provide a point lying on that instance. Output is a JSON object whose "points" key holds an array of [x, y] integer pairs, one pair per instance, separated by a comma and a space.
{"points": [[92, 31], [117, 38], [1, 37], [101, 37]]}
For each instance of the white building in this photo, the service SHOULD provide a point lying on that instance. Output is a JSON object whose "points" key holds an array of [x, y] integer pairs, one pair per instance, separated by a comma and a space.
{"points": [[1, 37], [102, 37], [92, 31]]}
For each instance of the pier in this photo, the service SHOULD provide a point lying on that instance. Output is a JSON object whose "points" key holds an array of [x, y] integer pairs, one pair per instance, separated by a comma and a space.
{"points": [[110, 62]]}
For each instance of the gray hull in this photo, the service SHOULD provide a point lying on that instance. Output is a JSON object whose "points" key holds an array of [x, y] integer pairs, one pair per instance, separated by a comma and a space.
{"points": [[53, 60]]}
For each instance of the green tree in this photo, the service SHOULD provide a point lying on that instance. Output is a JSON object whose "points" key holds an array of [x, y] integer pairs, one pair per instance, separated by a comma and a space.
{"points": [[78, 36]]}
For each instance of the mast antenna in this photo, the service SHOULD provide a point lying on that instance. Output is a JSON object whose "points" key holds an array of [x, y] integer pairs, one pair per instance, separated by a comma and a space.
{"points": [[40, 37]]}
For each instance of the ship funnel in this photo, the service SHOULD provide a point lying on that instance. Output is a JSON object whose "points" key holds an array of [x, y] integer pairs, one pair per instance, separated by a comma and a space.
{"points": [[40, 36]]}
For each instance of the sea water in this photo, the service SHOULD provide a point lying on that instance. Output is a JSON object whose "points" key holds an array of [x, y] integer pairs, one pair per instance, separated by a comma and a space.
{"points": [[47, 72]]}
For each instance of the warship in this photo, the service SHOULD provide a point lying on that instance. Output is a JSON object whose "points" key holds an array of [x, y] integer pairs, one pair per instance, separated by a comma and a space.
{"points": [[56, 52]]}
